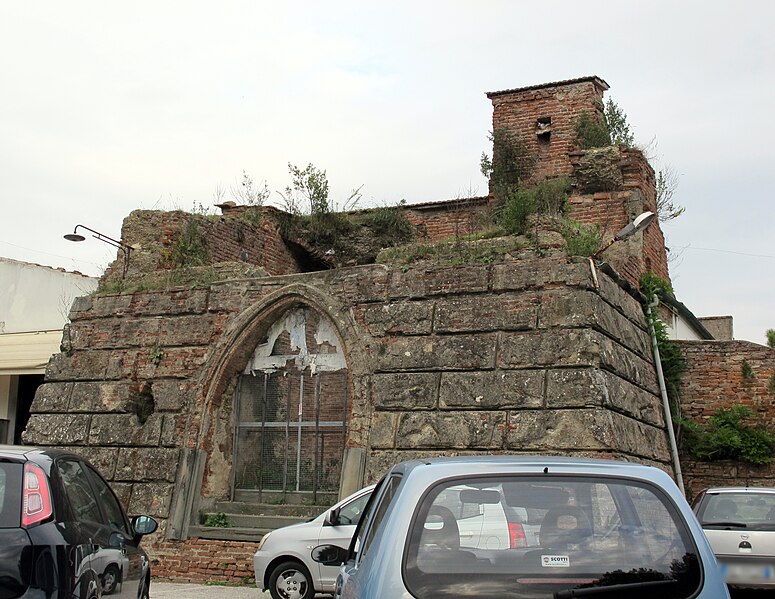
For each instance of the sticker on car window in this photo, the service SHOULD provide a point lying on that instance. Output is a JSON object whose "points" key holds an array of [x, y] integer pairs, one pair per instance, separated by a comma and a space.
{"points": [[555, 561]]}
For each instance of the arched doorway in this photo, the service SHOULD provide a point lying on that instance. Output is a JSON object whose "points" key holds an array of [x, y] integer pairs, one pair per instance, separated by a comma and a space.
{"points": [[291, 407]]}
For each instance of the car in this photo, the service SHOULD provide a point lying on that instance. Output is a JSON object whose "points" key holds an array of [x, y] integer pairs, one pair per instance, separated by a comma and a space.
{"points": [[740, 525], [607, 528], [283, 563], [63, 532]]}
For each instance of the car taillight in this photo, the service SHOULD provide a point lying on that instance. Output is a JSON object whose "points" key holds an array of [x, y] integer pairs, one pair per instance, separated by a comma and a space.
{"points": [[517, 535], [36, 496]]}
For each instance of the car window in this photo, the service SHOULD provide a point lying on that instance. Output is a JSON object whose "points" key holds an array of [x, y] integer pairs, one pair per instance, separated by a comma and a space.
{"points": [[113, 512], [79, 493], [379, 511], [351, 513], [10, 494], [747, 509], [536, 536]]}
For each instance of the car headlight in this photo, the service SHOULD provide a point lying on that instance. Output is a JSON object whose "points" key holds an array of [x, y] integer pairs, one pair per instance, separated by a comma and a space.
{"points": [[264, 539]]}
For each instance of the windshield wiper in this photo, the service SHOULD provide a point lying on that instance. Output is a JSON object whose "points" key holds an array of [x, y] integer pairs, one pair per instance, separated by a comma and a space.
{"points": [[613, 588]]}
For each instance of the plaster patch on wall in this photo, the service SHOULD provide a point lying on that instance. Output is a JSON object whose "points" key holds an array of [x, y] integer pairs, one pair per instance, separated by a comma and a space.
{"points": [[295, 324]]}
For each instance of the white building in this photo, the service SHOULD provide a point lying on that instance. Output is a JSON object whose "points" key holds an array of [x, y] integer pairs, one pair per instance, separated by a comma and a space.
{"points": [[34, 303]]}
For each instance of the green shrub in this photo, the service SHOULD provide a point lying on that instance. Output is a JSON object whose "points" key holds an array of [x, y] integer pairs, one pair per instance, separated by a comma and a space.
{"points": [[581, 240], [390, 222], [218, 520], [190, 246], [592, 132], [728, 436], [547, 197], [511, 163], [771, 337]]}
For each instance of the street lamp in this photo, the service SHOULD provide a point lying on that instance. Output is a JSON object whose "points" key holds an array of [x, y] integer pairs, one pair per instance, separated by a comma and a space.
{"points": [[641, 222], [127, 249]]}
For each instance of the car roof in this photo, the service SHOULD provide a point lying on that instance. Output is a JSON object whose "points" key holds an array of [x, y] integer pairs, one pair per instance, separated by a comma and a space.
{"points": [[740, 490], [32, 453], [457, 465]]}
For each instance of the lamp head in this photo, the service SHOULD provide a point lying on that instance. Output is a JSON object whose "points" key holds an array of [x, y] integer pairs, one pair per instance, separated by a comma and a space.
{"points": [[641, 222], [74, 237]]}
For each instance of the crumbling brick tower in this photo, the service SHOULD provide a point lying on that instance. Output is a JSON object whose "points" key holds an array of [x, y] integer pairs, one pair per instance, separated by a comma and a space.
{"points": [[611, 185]]}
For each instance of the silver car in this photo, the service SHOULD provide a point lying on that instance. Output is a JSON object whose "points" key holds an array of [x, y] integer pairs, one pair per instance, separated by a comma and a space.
{"points": [[740, 525], [607, 529], [283, 563]]}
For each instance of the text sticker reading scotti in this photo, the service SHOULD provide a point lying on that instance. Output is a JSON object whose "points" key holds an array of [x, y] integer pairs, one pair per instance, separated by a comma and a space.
{"points": [[555, 561]]}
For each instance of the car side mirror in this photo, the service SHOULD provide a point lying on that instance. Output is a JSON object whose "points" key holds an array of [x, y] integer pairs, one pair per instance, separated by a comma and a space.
{"points": [[329, 555], [144, 525], [332, 518]]}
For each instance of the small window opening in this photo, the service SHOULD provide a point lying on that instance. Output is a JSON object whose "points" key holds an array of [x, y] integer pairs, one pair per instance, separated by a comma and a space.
{"points": [[544, 128]]}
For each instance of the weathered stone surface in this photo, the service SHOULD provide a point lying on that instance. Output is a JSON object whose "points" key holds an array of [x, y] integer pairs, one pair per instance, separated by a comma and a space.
{"points": [[529, 274], [599, 170], [406, 391], [589, 387], [100, 397], [454, 352], [123, 492], [574, 308], [402, 318], [506, 312], [190, 330], [105, 306], [171, 395], [88, 365], [383, 429], [57, 429], [179, 301], [125, 429], [422, 281], [360, 284], [438, 430], [588, 429], [505, 389], [152, 499], [155, 464], [52, 397], [174, 362], [173, 431]]}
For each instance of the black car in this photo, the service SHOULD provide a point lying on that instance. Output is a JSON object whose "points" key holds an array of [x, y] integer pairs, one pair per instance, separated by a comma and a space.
{"points": [[63, 532]]}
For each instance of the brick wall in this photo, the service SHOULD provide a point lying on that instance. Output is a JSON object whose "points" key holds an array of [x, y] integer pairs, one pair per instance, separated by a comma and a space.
{"points": [[520, 111], [714, 379]]}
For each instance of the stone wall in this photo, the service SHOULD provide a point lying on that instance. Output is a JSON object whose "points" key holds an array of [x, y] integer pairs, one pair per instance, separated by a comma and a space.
{"points": [[523, 356], [714, 379]]}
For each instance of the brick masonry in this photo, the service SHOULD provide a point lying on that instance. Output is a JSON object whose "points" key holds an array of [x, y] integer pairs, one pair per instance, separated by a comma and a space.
{"points": [[714, 379]]}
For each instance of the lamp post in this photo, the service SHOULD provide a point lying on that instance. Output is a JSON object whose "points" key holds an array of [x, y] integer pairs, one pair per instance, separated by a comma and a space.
{"points": [[641, 222], [125, 248]]}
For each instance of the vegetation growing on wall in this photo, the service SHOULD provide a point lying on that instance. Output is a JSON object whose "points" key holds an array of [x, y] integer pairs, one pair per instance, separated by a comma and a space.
{"points": [[511, 163], [730, 435], [597, 131], [580, 239], [771, 337], [671, 357], [190, 246], [547, 197]]}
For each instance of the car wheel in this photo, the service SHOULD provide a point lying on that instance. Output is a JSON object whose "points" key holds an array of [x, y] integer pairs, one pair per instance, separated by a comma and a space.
{"points": [[291, 580], [109, 579]]}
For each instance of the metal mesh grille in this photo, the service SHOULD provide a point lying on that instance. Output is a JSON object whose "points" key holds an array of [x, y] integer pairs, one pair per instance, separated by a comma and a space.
{"points": [[291, 431]]}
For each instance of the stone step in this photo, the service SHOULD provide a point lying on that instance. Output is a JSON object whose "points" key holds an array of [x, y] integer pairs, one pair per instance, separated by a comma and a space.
{"points": [[286, 498], [270, 522], [269, 509]]}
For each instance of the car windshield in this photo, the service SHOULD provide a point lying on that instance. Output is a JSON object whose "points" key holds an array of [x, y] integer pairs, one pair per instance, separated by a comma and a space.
{"points": [[744, 509], [533, 537]]}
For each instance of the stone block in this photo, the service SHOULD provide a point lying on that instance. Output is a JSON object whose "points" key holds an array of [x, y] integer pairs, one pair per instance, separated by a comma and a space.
{"points": [[598, 170], [359, 284], [125, 430], [201, 329], [554, 347], [179, 301], [406, 391], [453, 352], [173, 431], [152, 499], [147, 464], [103, 458], [174, 362], [383, 430], [468, 313], [100, 397], [495, 389], [574, 308], [57, 429], [530, 274], [591, 387], [443, 430], [171, 395], [467, 279], [52, 397], [110, 306], [400, 318]]}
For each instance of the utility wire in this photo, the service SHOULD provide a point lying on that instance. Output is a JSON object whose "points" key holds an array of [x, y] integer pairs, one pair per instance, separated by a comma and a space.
{"points": [[692, 247]]}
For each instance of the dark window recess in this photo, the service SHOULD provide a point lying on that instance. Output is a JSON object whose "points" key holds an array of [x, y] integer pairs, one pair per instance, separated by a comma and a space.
{"points": [[544, 128]]}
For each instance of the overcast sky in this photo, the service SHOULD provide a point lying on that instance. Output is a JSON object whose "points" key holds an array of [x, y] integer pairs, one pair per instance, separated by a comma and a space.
{"points": [[106, 107]]}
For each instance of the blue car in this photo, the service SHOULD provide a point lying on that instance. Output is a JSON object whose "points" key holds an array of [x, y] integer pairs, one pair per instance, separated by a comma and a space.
{"points": [[591, 528]]}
